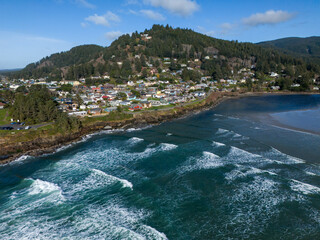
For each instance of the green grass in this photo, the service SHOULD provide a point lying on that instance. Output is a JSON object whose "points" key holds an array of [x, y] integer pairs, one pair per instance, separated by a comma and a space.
{"points": [[113, 116], [161, 107], [4, 116]]}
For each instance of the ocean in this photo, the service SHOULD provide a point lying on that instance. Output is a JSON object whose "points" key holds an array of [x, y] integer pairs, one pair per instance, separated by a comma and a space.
{"points": [[247, 169]]}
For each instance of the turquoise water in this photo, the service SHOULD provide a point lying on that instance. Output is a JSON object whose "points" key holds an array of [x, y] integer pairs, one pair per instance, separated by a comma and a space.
{"points": [[220, 174]]}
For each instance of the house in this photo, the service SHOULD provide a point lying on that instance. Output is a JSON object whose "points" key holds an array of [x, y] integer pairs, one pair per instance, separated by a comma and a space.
{"points": [[146, 104], [92, 106], [135, 107], [2, 105], [95, 111], [275, 87], [78, 114], [110, 109]]}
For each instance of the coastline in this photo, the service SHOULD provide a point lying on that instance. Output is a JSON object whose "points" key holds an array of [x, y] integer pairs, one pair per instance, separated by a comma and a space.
{"points": [[42, 146]]}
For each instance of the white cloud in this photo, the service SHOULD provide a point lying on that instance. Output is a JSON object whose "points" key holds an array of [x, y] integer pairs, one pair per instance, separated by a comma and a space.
{"points": [[85, 3], [44, 39], [179, 7], [226, 28], [112, 17], [269, 17], [113, 35], [104, 19], [98, 20], [153, 15]]}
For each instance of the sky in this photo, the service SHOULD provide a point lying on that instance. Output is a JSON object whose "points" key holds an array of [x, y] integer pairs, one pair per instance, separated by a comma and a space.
{"points": [[33, 29]]}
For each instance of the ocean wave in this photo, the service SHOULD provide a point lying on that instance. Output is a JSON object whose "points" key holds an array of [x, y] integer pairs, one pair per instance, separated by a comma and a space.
{"points": [[221, 131], [207, 160], [151, 233], [310, 173], [281, 157], [233, 118], [167, 146], [111, 179], [43, 187], [238, 155], [304, 188], [218, 144], [243, 171], [135, 140], [169, 134]]}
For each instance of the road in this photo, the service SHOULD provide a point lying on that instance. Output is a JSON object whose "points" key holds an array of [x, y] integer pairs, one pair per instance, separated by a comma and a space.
{"points": [[16, 126]]}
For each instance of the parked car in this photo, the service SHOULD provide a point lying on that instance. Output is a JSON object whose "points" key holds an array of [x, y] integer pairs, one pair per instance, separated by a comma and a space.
{"points": [[19, 128], [27, 127], [6, 128], [22, 123]]}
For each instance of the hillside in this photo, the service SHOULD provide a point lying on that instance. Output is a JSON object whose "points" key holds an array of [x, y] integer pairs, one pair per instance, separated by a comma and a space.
{"points": [[132, 54], [307, 48], [56, 62]]}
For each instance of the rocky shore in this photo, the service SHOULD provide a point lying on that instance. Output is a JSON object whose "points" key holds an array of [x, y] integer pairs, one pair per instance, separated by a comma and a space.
{"points": [[44, 145]]}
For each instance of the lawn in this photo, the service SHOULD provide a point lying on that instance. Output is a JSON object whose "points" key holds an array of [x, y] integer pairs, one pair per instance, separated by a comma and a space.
{"points": [[4, 116]]}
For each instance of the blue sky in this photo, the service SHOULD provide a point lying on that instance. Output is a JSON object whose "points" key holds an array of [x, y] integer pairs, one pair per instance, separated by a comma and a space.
{"points": [[33, 29]]}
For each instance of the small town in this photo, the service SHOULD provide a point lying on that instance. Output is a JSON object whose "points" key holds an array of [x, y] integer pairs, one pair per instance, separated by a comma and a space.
{"points": [[151, 89]]}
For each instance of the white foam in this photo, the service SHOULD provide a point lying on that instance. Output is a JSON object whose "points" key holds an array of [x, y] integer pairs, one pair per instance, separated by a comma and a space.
{"points": [[310, 173], [135, 140], [208, 160], [304, 188], [234, 118], [222, 131], [151, 233], [167, 146], [218, 144], [19, 160], [22, 158], [39, 187], [169, 134], [281, 157], [133, 129], [239, 155], [125, 183], [243, 171], [46, 188]]}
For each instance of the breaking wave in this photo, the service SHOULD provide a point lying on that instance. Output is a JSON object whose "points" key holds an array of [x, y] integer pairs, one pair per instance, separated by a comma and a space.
{"points": [[109, 179], [304, 188]]}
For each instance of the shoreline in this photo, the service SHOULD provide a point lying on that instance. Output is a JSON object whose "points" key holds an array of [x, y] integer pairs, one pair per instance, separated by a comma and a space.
{"points": [[42, 146]]}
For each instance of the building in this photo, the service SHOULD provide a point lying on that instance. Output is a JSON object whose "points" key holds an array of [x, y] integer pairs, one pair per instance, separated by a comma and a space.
{"points": [[135, 107]]}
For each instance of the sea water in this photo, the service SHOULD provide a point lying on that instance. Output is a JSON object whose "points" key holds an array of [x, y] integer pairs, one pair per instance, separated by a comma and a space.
{"points": [[221, 174]]}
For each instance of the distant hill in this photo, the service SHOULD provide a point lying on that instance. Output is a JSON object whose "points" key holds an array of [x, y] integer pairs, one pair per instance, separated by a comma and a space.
{"points": [[307, 48], [132, 54], [5, 71]]}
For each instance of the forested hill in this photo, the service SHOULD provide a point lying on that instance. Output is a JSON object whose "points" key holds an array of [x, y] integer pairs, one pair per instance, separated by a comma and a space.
{"points": [[52, 65], [307, 48], [130, 54]]}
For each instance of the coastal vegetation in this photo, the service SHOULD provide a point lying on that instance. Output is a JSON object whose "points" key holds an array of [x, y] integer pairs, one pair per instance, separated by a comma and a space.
{"points": [[306, 48], [131, 54]]}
